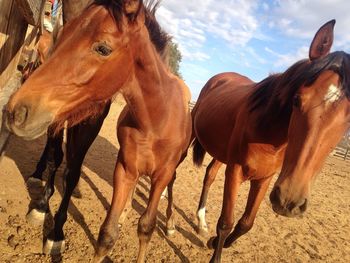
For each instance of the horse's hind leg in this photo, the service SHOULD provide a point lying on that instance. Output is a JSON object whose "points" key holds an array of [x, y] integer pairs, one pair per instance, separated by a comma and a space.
{"points": [[51, 157], [79, 140], [233, 179], [209, 178], [256, 195], [127, 208], [170, 224]]}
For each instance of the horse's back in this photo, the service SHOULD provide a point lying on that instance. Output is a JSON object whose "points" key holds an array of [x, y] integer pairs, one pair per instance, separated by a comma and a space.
{"points": [[215, 113]]}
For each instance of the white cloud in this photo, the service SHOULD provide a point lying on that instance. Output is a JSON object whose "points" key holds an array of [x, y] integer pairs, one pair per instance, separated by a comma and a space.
{"points": [[192, 22], [266, 6], [301, 19], [286, 60], [219, 33]]}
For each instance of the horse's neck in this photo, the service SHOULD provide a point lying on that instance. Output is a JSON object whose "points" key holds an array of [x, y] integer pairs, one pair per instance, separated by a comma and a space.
{"points": [[149, 89], [272, 125]]}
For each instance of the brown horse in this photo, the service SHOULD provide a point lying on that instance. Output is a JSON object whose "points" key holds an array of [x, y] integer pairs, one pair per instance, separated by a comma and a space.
{"points": [[79, 139], [294, 118], [106, 50]]}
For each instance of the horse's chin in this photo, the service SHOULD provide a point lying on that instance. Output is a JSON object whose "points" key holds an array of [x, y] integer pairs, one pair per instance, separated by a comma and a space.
{"points": [[282, 211]]}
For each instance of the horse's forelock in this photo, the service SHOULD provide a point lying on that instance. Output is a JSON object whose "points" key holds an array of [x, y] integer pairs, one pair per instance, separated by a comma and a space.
{"points": [[158, 36]]}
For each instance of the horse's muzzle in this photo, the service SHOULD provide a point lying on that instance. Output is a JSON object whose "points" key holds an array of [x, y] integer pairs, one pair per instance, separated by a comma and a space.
{"points": [[284, 207]]}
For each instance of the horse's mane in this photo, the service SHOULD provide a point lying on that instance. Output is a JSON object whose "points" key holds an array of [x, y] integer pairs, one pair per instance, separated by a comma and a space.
{"points": [[273, 96], [158, 37]]}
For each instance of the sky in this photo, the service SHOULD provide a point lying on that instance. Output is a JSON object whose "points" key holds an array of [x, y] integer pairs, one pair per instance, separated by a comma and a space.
{"points": [[252, 37]]}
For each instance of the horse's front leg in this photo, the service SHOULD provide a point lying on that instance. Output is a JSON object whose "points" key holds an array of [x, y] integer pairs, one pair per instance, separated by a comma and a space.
{"points": [[79, 139], [257, 192], [147, 222], [51, 157], [233, 179], [209, 178], [123, 184], [4, 138], [53, 148]]}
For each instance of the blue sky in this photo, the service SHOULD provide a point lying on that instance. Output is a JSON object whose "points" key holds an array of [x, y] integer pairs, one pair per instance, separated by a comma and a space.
{"points": [[251, 37]]}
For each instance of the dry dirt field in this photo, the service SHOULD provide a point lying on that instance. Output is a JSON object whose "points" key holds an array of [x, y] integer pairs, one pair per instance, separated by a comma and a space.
{"points": [[321, 235]]}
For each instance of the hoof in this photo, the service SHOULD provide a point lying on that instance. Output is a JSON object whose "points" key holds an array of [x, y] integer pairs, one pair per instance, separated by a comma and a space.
{"points": [[98, 259], [54, 247], [170, 232], [36, 217], [77, 193], [211, 244]]}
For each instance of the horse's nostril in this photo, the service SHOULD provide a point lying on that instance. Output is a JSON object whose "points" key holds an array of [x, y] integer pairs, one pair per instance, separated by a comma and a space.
{"points": [[275, 196], [303, 206], [20, 115]]}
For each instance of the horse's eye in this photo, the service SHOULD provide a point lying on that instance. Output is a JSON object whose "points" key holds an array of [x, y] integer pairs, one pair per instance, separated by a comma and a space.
{"points": [[297, 101], [103, 50]]}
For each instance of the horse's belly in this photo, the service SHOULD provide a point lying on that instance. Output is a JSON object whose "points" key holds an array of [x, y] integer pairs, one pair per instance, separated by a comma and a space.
{"points": [[216, 113], [213, 130]]}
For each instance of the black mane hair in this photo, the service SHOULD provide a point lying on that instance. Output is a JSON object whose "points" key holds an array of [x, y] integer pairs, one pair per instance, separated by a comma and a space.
{"points": [[158, 36], [273, 96]]}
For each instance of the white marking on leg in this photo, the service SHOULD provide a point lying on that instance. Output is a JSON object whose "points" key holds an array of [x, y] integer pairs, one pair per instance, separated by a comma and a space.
{"points": [[170, 232], [333, 94], [54, 247], [164, 194], [202, 225], [36, 217]]}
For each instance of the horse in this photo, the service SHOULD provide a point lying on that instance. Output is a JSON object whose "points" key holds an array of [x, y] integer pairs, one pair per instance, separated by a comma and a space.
{"points": [[113, 51], [79, 139], [288, 122]]}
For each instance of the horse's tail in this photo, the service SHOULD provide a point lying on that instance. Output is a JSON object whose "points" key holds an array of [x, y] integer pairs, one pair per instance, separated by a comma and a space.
{"points": [[198, 153]]}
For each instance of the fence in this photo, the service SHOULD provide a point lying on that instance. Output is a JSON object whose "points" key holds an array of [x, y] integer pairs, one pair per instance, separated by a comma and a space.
{"points": [[343, 148], [15, 15]]}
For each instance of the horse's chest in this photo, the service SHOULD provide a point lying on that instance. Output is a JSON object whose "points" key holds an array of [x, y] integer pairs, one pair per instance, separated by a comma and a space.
{"points": [[262, 161], [145, 152]]}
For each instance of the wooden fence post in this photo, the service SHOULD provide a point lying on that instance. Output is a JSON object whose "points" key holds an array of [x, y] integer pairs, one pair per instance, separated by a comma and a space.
{"points": [[31, 10], [13, 29], [14, 17]]}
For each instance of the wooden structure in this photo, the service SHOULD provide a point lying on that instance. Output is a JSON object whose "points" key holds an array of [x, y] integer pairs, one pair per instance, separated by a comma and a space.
{"points": [[15, 15], [343, 148], [20, 23]]}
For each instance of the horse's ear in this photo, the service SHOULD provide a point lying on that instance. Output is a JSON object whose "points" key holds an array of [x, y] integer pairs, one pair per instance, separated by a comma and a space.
{"points": [[132, 7], [322, 42]]}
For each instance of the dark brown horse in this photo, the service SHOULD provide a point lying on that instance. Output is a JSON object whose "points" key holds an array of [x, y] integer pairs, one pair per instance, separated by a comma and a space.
{"points": [[108, 49], [292, 119]]}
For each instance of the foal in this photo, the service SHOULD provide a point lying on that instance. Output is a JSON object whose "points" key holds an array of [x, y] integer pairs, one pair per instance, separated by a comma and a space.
{"points": [[294, 118], [111, 50]]}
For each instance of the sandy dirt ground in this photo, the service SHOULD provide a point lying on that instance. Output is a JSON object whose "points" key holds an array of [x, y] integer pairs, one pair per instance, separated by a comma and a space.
{"points": [[321, 235]]}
